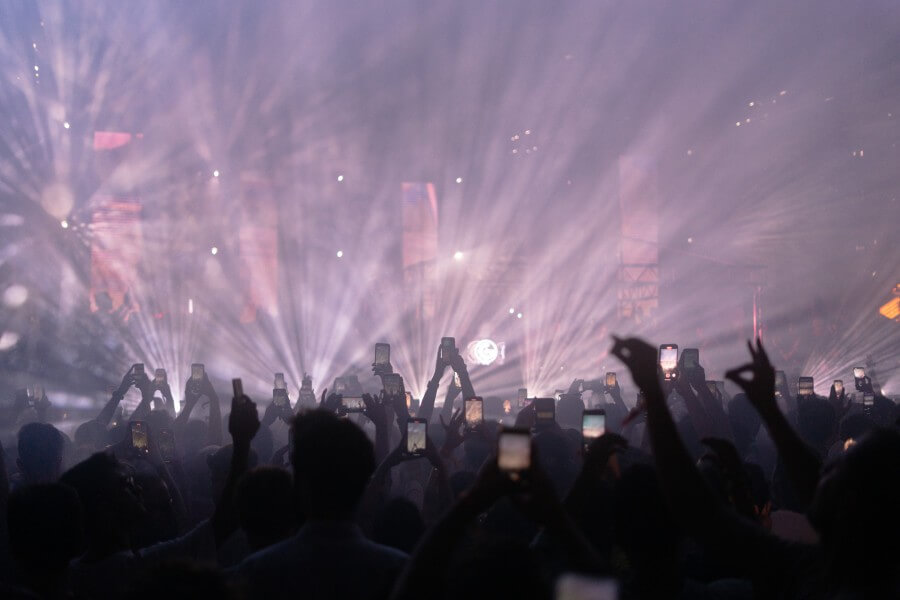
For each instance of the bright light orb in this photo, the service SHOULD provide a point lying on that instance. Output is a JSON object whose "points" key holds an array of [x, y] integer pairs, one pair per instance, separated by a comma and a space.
{"points": [[484, 352], [340, 178], [457, 255], [519, 316], [216, 173], [340, 253], [64, 224], [459, 180], [8, 339], [15, 296], [214, 250], [66, 124], [512, 310]]}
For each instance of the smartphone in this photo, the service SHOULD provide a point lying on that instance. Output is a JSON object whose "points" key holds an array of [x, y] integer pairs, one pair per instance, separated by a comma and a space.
{"points": [[353, 404], [593, 424], [838, 386], [859, 376], [805, 386], [514, 451], [138, 369], [868, 401], [382, 355], [38, 391], [416, 436], [197, 371], [456, 380], [668, 361], [159, 377], [306, 383], [238, 387], [690, 357], [280, 384], [448, 347], [780, 380], [711, 386], [523, 397], [391, 383], [340, 385], [280, 397], [720, 385], [611, 380], [474, 412], [140, 439], [579, 587], [166, 442], [544, 411]]}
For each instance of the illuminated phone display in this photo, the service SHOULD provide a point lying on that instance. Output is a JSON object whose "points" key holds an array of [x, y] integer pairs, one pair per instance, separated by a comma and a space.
{"points": [[611, 380], [416, 436], [668, 360], [514, 450], [382, 355], [197, 371], [593, 424], [805, 386], [474, 412], [279, 381], [352, 404], [139, 437]]}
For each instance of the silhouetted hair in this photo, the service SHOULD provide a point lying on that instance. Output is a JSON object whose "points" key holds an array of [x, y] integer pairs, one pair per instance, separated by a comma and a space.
{"points": [[40, 448], [333, 460], [265, 503]]}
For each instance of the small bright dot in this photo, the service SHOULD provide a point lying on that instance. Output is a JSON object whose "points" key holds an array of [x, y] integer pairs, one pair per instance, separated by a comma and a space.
{"points": [[527, 132], [34, 45], [64, 224], [782, 92], [512, 310], [37, 68], [213, 250], [66, 124], [519, 316], [748, 120], [340, 178], [690, 152], [752, 104], [216, 173], [459, 180], [340, 253], [738, 124], [515, 151], [457, 255], [690, 240]]}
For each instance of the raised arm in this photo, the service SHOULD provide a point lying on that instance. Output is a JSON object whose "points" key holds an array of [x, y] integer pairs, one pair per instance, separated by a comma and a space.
{"points": [[802, 464], [426, 409], [243, 423], [109, 409]]}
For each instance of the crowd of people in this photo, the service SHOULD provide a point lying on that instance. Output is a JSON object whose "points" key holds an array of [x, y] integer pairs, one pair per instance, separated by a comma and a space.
{"points": [[685, 493]]}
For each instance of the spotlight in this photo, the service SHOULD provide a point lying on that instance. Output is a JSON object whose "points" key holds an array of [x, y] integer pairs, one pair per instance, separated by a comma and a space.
{"points": [[216, 173], [66, 124], [64, 224], [512, 310], [214, 250], [457, 255], [485, 351], [8, 339], [459, 180], [340, 253], [340, 178], [15, 296], [519, 316]]}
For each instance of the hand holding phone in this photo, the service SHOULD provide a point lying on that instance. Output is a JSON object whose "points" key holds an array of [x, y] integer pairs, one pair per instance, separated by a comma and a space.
{"points": [[593, 425], [544, 412], [448, 349], [382, 357]]}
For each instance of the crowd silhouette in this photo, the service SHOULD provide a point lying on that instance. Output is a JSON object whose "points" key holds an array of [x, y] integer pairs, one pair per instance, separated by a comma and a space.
{"points": [[685, 493]]}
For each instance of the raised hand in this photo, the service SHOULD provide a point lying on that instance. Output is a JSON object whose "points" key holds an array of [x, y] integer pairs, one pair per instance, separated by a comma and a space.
{"points": [[601, 450], [375, 409], [127, 382], [330, 402], [243, 422], [760, 386], [453, 436], [641, 359]]}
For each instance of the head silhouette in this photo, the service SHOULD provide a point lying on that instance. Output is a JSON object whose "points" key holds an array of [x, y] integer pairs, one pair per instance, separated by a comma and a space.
{"points": [[333, 460], [855, 509], [40, 449], [265, 503]]}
